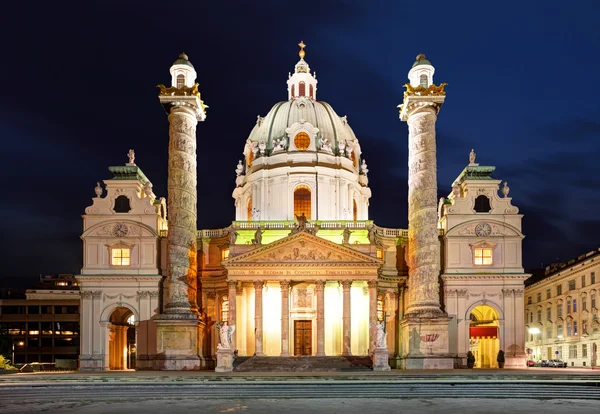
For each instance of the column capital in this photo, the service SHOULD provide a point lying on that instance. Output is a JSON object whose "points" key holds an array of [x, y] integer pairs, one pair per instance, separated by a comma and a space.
{"points": [[285, 284], [232, 283], [372, 284], [320, 284], [347, 284], [258, 284]]}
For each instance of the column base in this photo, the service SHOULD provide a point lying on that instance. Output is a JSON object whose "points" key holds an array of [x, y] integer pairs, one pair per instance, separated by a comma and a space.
{"points": [[380, 360], [178, 343], [429, 362], [92, 363], [224, 360], [425, 337]]}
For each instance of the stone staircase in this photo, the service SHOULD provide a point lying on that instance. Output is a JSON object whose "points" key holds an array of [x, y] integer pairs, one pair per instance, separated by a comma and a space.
{"points": [[303, 364]]}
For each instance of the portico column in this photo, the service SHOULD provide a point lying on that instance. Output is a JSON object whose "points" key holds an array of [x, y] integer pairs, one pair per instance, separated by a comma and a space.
{"points": [[372, 314], [258, 318], [320, 288], [231, 319], [346, 321], [285, 317]]}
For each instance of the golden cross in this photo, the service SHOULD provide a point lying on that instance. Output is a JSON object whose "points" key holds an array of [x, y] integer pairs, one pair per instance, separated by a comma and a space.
{"points": [[302, 46]]}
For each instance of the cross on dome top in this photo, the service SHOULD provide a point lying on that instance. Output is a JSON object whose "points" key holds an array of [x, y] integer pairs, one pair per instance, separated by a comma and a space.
{"points": [[301, 53]]}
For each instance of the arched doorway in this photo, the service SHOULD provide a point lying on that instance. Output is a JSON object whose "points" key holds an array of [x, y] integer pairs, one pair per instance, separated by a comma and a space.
{"points": [[484, 339], [122, 344]]}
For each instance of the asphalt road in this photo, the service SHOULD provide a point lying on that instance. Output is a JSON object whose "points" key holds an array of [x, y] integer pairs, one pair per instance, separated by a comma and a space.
{"points": [[133, 405]]}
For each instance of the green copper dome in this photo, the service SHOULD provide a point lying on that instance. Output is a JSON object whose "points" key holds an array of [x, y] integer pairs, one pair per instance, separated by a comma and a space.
{"points": [[183, 60], [421, 60]]}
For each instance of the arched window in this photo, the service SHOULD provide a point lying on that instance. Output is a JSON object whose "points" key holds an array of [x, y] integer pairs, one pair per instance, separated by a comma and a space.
{"points": [[293, 91], [424, 82], [122, 204], [301, 89], [482, 204], [224, 308], [249, 211], [302, 201], [180, 81], [353, 157], [354, 210], [312, 91], [250, 159], [301, 141]]}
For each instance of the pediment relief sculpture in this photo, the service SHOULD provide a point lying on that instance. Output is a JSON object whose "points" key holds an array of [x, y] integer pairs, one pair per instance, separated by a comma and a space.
{"points": [[303, 248]]}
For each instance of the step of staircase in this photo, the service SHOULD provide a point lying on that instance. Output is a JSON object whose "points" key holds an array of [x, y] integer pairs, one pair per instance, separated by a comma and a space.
{"points": [[304, 364]]}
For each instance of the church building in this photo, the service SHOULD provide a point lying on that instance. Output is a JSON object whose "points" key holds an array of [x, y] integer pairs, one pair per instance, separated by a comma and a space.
{"points": [[301, 270]]}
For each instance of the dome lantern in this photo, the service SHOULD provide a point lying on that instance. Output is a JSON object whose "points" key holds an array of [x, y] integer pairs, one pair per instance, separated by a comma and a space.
{"points": [[302, 83], [182, 72], [421, 73]]}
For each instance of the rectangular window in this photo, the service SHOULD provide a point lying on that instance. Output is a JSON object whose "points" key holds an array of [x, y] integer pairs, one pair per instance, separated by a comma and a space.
{"points": [[224, 254], [548, 313], [539, 316], [549, 332], [584, 327], [539, 297], [224, 309], [120, 257], [559, 331], [529, 302], [530, 317], [559, 290], [584, 350], [568, 328], [574, 305], [572, 284], [572, 351], [559, 354], [575, 328], [582, 280], [380, 254], [548, 293], [483, 256], [593, 301], [568, 307], [584, 303], [593, 277], [559, 310]]}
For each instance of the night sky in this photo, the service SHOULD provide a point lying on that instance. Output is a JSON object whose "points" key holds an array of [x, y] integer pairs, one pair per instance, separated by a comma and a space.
{"points": [[79, 89]]}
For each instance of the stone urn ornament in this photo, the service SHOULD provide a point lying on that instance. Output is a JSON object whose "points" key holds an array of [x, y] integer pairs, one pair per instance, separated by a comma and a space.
{"points": [[505, 189], [98, 190]]}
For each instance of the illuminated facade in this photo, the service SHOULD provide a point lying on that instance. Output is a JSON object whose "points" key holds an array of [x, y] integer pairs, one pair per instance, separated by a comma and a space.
{"points": [[561, 312], [302, 271]]}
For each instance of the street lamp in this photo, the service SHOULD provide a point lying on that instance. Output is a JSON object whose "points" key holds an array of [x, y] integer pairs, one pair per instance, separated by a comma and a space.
{"points": [[12, 360]]}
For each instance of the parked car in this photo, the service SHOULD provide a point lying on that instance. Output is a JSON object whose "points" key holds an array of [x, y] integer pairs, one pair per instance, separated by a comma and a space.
{"points": [[544, 363], [531, 363], [557, 363]]}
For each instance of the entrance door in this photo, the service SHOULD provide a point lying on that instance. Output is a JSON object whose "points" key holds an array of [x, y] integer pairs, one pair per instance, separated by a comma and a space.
{"points": [[302, 337]]}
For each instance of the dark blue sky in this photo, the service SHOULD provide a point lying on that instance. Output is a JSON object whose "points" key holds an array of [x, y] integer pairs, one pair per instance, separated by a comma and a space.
{"points": [[78, 90]]}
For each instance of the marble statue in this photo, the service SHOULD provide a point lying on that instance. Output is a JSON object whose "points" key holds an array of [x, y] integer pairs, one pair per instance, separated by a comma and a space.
{"points": [[255, 214], [326, 145], [363, 167], [239, 169], [257, 240], [225, 333], [346, 235], [302, 220], [342, 146], [381, 337], [262, 146], [472, 156], [372, 234], [232, 235], [98, 190], [131, 155], [456, 190]]}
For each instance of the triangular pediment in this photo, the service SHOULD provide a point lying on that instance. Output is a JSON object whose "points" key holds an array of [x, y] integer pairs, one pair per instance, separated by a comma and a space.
{"points": [[303, 248]]}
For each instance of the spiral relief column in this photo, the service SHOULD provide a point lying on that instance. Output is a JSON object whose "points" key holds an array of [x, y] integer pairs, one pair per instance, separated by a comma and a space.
{"points": [[423, 315], [179, 328]]}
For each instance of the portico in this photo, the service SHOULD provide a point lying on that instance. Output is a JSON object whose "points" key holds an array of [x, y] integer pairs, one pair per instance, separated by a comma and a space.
{"points": [[303, 295]]}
